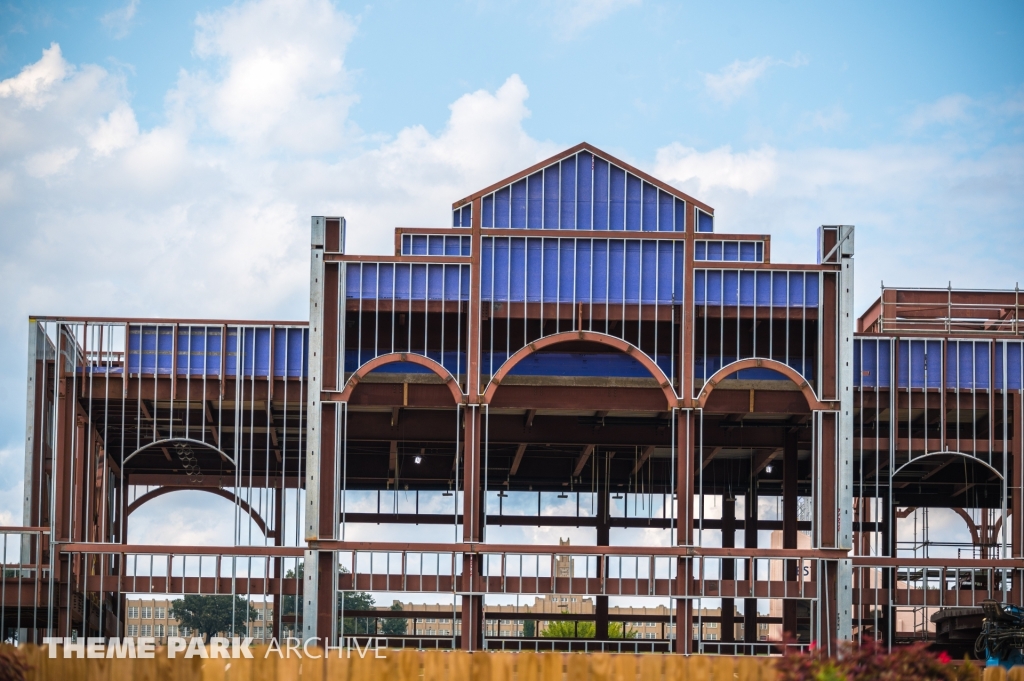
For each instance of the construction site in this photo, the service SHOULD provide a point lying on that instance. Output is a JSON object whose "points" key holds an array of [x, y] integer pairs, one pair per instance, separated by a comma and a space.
{"points": [[741, 460]]}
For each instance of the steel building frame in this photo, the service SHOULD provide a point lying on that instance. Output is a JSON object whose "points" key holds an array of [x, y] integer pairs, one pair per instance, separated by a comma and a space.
{"points": [[580, 334]]}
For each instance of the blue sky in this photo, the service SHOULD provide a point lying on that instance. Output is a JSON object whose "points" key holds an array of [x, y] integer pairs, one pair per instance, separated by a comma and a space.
{"points": [[162, 159], [629, 75]]}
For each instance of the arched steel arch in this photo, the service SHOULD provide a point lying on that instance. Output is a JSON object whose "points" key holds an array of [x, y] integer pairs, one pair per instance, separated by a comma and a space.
{"points": [[671, 399], [763, 363], [233, 498], [393, 357], [172, 440]]}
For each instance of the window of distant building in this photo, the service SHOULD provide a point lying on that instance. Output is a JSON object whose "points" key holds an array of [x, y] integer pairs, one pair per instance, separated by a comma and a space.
{"points": [[147, 613]]}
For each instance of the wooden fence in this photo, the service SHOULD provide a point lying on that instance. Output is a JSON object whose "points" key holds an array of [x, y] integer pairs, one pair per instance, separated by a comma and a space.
{"points": [[413, 665], [403, 665]]}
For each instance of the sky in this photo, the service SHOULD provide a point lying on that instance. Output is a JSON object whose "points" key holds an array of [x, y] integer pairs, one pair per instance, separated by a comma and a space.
{"points": [[163, 159]]}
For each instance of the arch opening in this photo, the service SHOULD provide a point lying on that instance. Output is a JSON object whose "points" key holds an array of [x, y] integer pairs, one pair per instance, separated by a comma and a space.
{"points": [[583, 354], [760, 373], [405, 368], [948, 479], [187, 457], [223, 493]]}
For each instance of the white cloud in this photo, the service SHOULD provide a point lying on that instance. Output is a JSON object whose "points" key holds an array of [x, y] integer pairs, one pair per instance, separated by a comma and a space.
{"points": [[34, 81], [575, 16], [281, 81], [11, 474], [47, 163], [207, 214], [750, 171], [119, 21], [947, 110], [925, 214], [734, 80], [116, 131]]}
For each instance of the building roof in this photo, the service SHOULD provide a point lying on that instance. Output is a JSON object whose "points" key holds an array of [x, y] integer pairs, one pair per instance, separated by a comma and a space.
{"points": [[572, 151]]}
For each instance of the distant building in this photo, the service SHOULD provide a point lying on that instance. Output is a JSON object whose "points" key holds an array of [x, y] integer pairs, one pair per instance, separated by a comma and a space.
{"points": [[155, 618]]}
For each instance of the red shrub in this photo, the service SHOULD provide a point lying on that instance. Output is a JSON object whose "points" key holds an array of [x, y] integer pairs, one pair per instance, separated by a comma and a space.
{"points": [[870, 662]]}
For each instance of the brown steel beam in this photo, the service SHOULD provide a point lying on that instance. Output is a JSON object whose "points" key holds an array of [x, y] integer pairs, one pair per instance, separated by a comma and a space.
{"points": [[648, 450], [581, 461], [520, 450]]}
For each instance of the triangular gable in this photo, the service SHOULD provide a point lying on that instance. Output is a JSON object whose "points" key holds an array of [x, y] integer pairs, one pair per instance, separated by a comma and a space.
{"points": [[581, 188]]}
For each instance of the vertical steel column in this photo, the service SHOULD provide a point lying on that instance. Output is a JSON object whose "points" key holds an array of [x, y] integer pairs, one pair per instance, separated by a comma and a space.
{"points": [[603, 538], [309, 588], [685, 466], [35, 347], [473, 496], [750, 542], [729, 574], [790, 463], [844, 589]]}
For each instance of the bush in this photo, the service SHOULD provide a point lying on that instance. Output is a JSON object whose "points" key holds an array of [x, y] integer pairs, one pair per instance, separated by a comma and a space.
{"points": [[869, 662]]}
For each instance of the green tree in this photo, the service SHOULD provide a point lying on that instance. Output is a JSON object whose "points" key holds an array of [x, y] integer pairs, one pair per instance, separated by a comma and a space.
{"points": [[347, 600], [395, 626], [616, 629], [288, 601], [357, 600], [210, 615], [529, 628], [569, 629]]}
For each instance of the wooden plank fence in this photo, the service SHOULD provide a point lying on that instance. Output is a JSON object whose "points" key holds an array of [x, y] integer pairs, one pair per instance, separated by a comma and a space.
{"points": [[404, 665], [414, 665]]}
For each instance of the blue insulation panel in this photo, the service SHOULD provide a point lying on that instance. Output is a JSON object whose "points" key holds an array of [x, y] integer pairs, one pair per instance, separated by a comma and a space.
{"points": [[1008, 365], [463, 217], [872, 362], [581, 192], [580, 364], [453, 361], [705, 222], [576, 364], [761, 288], [920, 364], [707, 366], [729, 251], [436, 244], [967, 364], [402, 281], [151, 349], [551, 270]]}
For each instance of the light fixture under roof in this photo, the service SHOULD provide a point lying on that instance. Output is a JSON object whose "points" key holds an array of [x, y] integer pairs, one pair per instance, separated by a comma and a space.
{"points": [[417, 459]]}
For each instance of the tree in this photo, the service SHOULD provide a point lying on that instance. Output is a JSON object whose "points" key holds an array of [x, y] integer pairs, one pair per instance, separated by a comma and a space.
{"points": [[288, 601], [357, 600], [529, 628], [569, 629], [347, 601], [395, 626], [210, 615], [615, 630]]}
